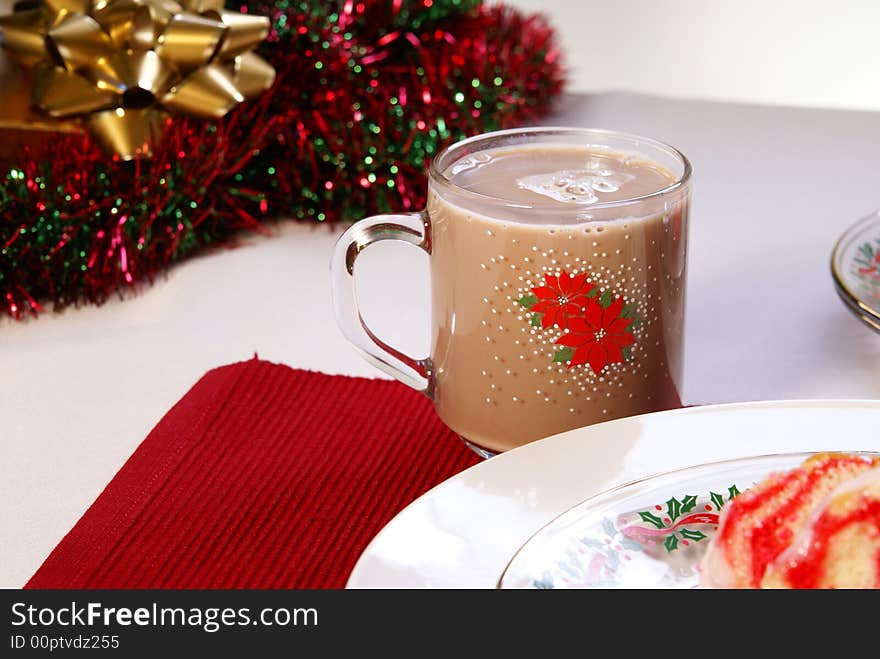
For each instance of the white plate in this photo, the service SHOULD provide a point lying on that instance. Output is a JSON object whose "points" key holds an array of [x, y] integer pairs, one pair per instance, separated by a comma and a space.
{"points": [[464, 532]]}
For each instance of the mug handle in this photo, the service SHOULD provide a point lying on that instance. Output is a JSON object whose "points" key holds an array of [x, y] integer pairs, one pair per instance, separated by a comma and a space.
{"points": [[405, 227]]}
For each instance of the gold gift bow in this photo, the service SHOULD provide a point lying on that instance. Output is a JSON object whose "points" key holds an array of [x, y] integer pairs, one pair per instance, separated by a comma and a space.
{"points": [[124, 65]]}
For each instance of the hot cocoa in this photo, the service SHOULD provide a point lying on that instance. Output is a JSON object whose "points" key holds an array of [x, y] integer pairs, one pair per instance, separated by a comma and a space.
{"points": [[558, 278]]}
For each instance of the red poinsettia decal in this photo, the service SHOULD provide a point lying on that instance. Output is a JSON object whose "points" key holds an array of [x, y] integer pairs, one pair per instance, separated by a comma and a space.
{"points": [[599, 329], [560, 298], [599, 337]]}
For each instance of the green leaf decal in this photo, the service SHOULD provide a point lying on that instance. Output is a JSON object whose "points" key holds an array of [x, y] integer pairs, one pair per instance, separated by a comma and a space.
{"points": [[535, 320], [527, 301], [673, 508], [717, 500], [594, 292], [733, 492], [652, 519], [606, 298], [545, 582], [628, 311], [696, 536], [688, 503], [671, 543], [608, 527], [627, 353], [563, 355]]}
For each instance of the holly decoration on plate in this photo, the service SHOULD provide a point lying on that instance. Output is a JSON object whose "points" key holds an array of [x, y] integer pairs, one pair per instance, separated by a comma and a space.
{"points": [[681, 513], [598, 326]]}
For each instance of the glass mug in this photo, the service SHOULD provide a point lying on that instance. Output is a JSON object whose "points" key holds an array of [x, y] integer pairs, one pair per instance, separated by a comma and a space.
{"points": [[545, 316]]}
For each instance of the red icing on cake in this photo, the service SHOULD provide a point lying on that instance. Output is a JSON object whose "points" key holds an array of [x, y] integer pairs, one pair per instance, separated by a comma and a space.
{"points": [[775, 535], [807, 571]]}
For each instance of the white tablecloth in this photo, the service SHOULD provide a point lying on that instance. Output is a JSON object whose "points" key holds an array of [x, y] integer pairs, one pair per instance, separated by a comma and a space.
{"points": [[773, 189]]}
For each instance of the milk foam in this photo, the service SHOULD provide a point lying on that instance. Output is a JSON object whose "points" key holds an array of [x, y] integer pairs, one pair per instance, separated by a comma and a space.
{"points": [[576, 186]]}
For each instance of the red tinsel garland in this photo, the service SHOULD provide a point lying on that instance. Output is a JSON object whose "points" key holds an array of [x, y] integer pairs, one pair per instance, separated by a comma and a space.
{"points": [[361, 102]]}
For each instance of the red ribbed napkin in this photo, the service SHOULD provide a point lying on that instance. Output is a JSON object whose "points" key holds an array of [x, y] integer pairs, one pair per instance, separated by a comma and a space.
{"points": [[262, 476]]}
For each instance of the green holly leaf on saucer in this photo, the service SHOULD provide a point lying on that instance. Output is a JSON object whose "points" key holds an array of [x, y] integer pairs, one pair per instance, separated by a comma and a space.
{"points": [[688, 503], [563, 355], [527, 301], [733, 492], [671, 543], [717, 500], [673, 508], [652, 519], [535, 320], [696, 536]]}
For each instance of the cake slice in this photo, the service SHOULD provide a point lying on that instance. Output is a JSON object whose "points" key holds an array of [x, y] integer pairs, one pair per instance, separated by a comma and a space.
{"points": [[839, 546], [757, 529]]}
